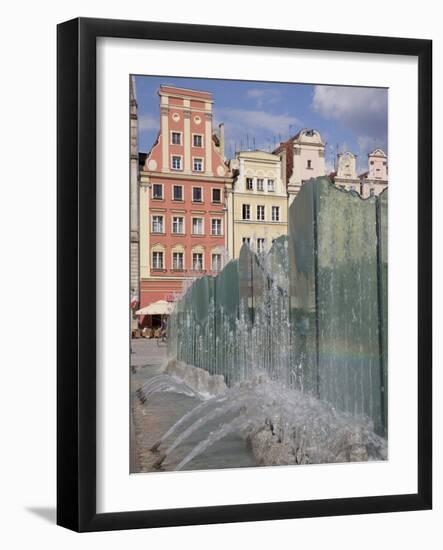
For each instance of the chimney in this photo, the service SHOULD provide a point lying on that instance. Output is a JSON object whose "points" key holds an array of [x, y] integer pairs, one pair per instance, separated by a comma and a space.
{"points": [[221, 128]]}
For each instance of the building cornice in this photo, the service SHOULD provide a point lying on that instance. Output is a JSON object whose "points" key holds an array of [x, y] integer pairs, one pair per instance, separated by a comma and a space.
{"points": [[184, 177]]}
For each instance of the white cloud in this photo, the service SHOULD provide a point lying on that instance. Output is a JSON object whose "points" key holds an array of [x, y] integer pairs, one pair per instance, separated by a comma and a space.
{"points": [[259, 125], [362, 110], [148, 122], [346, 102], [264, 95]]}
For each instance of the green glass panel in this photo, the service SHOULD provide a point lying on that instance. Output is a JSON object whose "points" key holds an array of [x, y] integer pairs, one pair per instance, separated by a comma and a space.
{"points": [[303, 362], [347, 301]]}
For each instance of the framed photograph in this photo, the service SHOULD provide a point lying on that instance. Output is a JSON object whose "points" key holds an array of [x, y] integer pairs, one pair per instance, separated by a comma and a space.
{"points": [[244, 274]]}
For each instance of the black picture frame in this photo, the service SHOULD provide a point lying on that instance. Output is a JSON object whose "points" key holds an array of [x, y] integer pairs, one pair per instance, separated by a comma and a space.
{"points": [[76, 280]]}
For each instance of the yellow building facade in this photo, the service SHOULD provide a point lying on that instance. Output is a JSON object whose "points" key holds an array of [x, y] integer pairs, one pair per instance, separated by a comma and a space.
{"points": [[257, 203]]}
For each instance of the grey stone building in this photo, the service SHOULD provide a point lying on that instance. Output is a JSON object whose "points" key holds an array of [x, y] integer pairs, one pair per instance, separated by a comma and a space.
{"points": [[134, 195]]}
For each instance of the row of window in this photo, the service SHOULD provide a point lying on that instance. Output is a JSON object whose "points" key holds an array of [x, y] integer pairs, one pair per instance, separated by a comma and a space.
{"points": [[259, 184], [178, 225], [260, 243], [178, 261], [178, 193], [260, 212], [177, 163], [177, 139]]}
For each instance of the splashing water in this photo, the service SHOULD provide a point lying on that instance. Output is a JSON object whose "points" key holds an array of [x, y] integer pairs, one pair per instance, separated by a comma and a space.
{"points": [[299, 427], [165, 382]]}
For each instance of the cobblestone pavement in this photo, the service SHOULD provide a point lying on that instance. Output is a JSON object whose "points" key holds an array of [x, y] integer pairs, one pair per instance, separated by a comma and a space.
{"points": [[150, 420], [147, 358]]}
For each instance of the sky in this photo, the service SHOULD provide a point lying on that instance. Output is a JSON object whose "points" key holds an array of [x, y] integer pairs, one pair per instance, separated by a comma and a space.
{"points": [[258, 115]]}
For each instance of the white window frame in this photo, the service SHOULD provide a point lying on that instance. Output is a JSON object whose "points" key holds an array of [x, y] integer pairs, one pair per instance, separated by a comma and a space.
{"points": [[162, 252], [221, 227], [212, 195], [172, 193], [202, 141], [172, 224], [264, 212], [181, 162], [181, 138], [202, 267], [202, 194], [202, 164], [242, 211], [182, 268], [263, 241], [252, 184], [163, 192], [246, 240], [162, 224], [277, 210], [212, 262], [261, 187], [202, 225], [270, 188]]}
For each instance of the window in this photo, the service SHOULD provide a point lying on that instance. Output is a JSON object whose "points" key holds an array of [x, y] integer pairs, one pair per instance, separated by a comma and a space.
{"points": [[216, 262], [216, 226], [177, 260], [260, 245], [270, 185], [246, 240], [177, 225], [216, 196], [176, 138], [249, 184], [275, 213], [197, 140], [259, 184], [309, 164], [176, 162], [157, 191], [246, 212], [197, 261], [260, 212], [198, 164], [197, 194], [371, 192], [157, 260], [177, 193], [384, 163], [197, 226], [157, 224]]}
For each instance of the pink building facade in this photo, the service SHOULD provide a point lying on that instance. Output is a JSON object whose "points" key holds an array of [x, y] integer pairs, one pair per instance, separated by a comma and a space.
{"points": [[183, 231]]}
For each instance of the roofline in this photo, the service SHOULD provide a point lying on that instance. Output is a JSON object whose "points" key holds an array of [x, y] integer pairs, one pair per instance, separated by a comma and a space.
{"points": [[184, 89]]}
